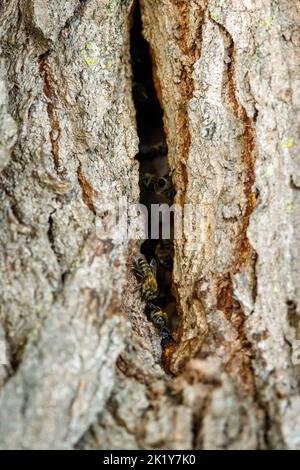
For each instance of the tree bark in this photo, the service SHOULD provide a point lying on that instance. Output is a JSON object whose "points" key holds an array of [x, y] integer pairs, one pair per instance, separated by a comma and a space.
{"points": [[85, 368]]}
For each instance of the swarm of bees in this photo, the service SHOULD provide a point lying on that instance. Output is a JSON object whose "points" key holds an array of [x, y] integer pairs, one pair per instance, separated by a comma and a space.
{"points": [[146, 272], [155, 184], [162, 254]]}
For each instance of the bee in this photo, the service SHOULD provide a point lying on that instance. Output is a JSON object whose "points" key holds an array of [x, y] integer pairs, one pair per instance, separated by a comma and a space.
{"points": [[164, 187], [146, 272], [164, 253], [165, 336], [161, 185], [149, 180], [158, 316], [160, 148]]}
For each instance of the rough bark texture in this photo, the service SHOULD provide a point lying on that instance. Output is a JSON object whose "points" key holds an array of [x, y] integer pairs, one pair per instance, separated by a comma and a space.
{"points": [[85, 365]]}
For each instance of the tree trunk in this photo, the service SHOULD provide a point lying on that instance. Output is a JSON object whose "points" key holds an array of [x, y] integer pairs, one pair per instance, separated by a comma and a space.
{"points": [[84, 368]]}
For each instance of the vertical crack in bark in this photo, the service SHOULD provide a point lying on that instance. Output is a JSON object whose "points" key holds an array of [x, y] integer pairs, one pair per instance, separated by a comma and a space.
{"points": [[244, 254], [155, 180], [191, 53], [51, 234], [243, 248], [87, 190], [51, 95]]}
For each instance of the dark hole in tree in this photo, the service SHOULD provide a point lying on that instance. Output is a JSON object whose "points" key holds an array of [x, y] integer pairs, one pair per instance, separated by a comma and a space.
{"points": [[152, 157]]}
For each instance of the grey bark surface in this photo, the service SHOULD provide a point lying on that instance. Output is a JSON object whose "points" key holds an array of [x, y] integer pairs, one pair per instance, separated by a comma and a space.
{"points": [[85, 367]]}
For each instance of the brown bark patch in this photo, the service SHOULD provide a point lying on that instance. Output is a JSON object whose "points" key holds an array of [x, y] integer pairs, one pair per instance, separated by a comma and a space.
{"points": [[239, 363], [87, 190], [192, 54], [244, 251]]}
